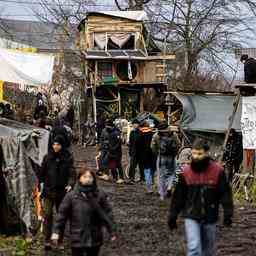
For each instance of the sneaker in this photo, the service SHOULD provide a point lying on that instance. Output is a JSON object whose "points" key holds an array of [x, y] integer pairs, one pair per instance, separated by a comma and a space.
{"points": [[61, 246], [105, 177], [120, 181]]}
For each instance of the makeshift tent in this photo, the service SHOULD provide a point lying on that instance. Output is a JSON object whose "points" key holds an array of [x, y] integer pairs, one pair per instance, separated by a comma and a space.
{"points": [[26, 68], [209, 113], [23, 146]]}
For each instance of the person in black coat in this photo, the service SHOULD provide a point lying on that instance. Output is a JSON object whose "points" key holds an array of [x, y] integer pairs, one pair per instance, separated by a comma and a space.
{"points": [[249, 69], [146, 157], [57, 176], [134, 139], [89, 211]]}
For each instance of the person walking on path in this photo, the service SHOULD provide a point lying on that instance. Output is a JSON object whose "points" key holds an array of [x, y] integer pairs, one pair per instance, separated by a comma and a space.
{"points": [[133, 152], [202, 186], [111, 153], [88, 210], [146, 158], [165, 146], [57, 177]]}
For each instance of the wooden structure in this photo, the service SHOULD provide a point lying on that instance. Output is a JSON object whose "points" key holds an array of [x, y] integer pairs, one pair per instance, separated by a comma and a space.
{"points": [[119, 54]]}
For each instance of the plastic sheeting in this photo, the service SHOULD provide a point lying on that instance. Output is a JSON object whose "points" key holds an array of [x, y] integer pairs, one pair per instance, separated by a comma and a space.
{"points": [[131, 15], [208, 112], [20, 150], [26, 68]]}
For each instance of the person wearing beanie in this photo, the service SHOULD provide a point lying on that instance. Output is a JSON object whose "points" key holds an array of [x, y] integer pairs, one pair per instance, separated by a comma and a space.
{"points": [[249, 69], [165, 146], [57, 177]]}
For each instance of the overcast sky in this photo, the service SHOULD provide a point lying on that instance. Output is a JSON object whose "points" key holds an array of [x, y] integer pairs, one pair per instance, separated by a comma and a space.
{"points": [[15, 9]]}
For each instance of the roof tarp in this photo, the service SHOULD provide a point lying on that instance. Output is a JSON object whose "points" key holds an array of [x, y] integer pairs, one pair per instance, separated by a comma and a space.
{"points": [[208, 112], [131, 15], [26, 68], [20, 149]]}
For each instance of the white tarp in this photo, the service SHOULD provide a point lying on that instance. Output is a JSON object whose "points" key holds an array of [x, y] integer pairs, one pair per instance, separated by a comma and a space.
{"points": [[131, 15], [25, 68], [248, 122]]}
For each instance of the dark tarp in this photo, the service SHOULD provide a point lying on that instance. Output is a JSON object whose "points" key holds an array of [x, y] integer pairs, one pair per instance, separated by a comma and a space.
{"points": [[22, 146], [209, 113]]}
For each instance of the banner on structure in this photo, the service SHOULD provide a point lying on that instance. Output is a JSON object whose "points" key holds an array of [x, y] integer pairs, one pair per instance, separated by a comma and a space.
{"points": [[26, 68], [248, 122]]}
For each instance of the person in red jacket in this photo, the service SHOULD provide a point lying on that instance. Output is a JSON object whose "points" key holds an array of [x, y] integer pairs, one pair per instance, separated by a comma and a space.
{"points": [[201, 188]]}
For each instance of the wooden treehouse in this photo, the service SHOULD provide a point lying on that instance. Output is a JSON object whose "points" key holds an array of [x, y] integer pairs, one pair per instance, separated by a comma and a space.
{"points": [[121, 60]]}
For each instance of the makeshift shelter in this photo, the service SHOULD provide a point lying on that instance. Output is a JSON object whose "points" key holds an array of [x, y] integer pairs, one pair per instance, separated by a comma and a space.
{"points": [[23, 147], [121, 60], [207, 116]]}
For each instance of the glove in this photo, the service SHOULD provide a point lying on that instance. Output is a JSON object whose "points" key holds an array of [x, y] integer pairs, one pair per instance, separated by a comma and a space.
{"points": [[227, 221], [172, 223]]}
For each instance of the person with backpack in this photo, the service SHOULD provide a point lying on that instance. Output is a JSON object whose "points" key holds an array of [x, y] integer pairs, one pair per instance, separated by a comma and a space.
{"points": [[88, 209], [165, 146], [56, 177], [201, 188], [111, 153], [249, 69]]}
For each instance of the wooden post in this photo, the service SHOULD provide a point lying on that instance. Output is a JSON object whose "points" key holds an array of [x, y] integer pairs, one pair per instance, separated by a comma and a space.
{"points": [[94, 102], [231, 121], [142, 101]]}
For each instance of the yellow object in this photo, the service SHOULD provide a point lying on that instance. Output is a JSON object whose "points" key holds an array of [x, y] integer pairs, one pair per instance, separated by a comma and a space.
{"points": [[1, 90], [160, 115]]}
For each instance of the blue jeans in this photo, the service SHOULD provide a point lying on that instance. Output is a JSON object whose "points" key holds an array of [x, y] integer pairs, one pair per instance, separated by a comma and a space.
{"points": [[148, 179], [200, 238]]}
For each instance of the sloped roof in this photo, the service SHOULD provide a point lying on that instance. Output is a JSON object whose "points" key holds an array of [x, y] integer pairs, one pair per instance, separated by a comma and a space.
{"points": [[131, 15], [40, 35]]}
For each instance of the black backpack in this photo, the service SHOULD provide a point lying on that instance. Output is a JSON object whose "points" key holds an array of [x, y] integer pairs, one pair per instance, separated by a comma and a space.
{"points": [[168, 146]]}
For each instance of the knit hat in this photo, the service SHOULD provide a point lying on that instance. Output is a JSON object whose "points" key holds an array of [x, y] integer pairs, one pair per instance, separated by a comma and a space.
{"points": [[59, 139]]}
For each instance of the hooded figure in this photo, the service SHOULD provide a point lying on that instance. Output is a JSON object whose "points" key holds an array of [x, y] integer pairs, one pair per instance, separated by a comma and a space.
{"points": [[57, 176]]}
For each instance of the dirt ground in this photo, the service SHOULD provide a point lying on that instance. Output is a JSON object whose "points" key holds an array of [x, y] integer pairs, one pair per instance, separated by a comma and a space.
{"points": [[143, 229]]}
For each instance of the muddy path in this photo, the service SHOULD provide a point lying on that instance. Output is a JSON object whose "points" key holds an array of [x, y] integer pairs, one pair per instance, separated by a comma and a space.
{"points": [[142, 224]]}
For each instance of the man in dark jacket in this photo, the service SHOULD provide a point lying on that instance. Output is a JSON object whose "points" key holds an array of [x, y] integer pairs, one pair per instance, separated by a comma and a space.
{"points": [[57, 176], [202, 186], [133, 151], [233, 154], [249, 69]]}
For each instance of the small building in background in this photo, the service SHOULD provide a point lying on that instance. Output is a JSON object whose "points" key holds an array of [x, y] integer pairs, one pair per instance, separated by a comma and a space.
{"points": [[121, 62]]}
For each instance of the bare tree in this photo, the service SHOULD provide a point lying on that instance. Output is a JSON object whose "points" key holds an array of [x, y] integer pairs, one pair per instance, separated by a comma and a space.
{"points": [[205, 31]]}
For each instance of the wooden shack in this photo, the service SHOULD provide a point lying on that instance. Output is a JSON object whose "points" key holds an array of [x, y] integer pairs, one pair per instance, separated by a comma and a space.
{"points": [[121, 60]]}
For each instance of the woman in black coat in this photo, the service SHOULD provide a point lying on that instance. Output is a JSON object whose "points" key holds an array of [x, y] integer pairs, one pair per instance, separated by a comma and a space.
{"points": [[88, 210]]}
